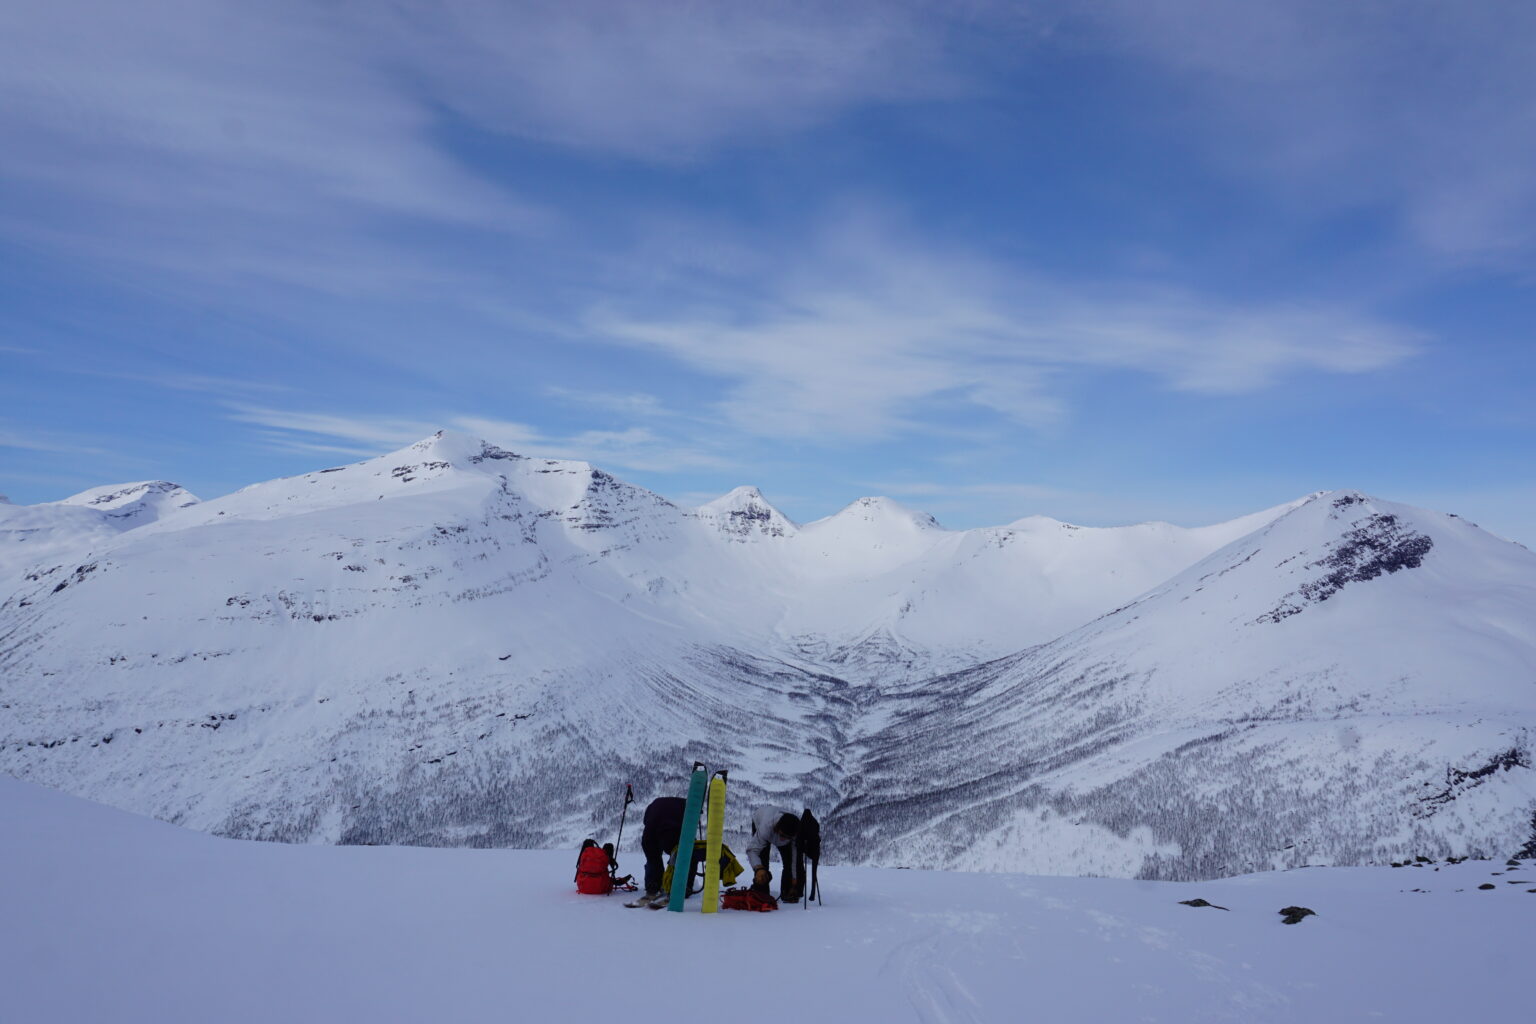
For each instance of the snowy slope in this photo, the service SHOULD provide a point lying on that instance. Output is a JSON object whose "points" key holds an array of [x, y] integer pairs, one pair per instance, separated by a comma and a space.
{"points": [[1351, 683], [33, 536], [124, 920], [457, 645], [330, 665]]}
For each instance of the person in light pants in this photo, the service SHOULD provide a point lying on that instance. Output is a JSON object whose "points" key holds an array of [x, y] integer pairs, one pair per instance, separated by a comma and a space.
{"points": [[774, 828]]}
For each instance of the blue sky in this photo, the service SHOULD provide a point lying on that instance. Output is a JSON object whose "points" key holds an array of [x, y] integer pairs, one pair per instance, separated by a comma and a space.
{"points": [[1106, 261]]}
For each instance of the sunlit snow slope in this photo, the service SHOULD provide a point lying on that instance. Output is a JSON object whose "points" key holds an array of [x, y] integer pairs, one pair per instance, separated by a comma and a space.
{"points": [[457, 645]]}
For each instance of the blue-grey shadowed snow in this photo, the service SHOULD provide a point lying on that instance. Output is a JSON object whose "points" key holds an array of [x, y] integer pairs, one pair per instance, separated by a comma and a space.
{"points": [[116, 918]]}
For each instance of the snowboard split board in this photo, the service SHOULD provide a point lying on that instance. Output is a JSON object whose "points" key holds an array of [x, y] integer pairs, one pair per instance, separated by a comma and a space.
{"points": [[713, 837], [682, 863]]}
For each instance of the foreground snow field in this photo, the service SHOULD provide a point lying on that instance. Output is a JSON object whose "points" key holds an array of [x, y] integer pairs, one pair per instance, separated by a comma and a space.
{"points": [[108, 917]]}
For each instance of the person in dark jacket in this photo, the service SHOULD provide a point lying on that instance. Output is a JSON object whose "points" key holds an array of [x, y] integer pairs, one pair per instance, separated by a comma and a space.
{"points": [[660, 830]]}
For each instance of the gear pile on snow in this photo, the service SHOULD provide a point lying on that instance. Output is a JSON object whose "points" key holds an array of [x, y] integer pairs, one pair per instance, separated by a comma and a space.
{"points": [[747, 899]]}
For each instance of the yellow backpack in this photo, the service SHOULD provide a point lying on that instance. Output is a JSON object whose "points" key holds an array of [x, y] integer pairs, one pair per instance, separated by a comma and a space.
{"points": [[730, 867]]}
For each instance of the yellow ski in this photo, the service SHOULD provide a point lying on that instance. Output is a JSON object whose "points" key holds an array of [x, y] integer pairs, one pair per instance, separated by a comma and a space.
{"points": [[712, 839]]}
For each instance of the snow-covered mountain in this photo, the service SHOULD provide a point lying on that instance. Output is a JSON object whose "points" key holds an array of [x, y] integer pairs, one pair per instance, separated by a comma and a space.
{"points": [[457, 645], [1350, 682], [32, 534]]}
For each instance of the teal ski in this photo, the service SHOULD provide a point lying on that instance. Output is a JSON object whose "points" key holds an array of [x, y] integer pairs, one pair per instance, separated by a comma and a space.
{"points": [[682, 863]]}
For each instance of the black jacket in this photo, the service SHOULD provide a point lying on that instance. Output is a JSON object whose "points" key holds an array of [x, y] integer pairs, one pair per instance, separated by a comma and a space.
{"points": [[663, 821]]}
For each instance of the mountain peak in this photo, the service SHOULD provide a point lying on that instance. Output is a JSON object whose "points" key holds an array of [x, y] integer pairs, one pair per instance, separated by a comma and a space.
{"points": [[1038, 522], [458, 449], [744, 512], [115, 496], [881, 510], [738, 497], [125, 506]]}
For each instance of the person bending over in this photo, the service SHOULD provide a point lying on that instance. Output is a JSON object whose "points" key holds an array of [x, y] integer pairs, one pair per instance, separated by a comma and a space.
{"points": [[662, 825], [774, 828]]}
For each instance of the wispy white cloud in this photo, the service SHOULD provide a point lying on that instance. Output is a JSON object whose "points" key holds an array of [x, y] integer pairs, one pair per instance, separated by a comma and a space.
{"points": [[636, 404], [48, 442], [370, 432], [504, 432], [996, 489], [210, 385], [669, 80], [1421, 105], [224, 142], [871, 335], [277, 441], [299, 145], [636, 448]]}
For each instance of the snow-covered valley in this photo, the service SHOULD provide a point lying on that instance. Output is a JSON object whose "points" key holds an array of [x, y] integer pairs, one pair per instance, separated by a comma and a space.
{"points": [[110, 917], [456, 645]]}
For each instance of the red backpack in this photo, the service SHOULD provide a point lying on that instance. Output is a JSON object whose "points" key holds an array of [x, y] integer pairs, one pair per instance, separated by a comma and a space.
{"points": [[747, 899], [592, 872]]}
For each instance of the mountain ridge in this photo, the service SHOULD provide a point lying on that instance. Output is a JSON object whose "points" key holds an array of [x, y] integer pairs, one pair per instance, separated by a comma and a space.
{"points": [[454, 644]]}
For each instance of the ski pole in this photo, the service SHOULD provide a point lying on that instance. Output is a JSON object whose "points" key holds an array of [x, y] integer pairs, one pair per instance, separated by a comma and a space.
{"points": [[629, 798]]}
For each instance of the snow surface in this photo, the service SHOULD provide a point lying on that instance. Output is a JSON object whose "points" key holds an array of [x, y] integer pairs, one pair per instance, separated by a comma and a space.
{"points": [[458, 645], [113, 918]]}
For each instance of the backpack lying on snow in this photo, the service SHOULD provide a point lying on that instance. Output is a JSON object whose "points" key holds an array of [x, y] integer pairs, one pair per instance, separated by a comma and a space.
{"points": [[747, 899]]}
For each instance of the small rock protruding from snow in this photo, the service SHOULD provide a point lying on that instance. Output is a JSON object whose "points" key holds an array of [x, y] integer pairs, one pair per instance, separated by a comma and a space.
{"points": [[1198, 902]]}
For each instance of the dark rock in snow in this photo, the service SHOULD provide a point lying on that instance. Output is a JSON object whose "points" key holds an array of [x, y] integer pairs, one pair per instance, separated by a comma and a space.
{"points": [[1377, 544]]}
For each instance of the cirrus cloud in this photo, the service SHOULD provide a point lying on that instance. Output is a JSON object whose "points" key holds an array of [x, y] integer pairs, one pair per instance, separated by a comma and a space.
{"points": [[870, 335]]}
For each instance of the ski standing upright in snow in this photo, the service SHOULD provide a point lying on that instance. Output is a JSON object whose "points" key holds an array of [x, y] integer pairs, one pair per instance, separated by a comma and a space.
{"points": [[682, 863], [713, 838]]}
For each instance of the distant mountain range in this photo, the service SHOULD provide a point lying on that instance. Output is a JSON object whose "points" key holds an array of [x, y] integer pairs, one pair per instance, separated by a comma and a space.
{"points": [[457, 645]]}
